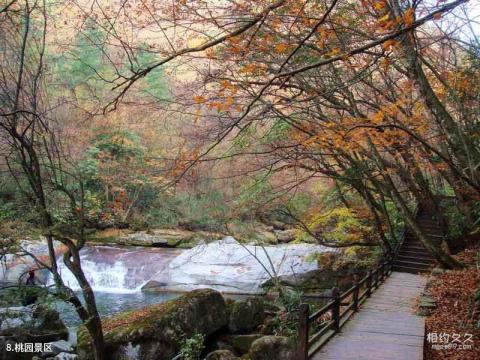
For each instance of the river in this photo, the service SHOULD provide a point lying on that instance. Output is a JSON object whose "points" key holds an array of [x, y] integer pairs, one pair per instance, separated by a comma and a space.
{"points": [[119, 275]]}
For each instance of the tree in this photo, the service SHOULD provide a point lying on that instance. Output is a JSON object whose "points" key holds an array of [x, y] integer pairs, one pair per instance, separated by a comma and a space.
{"points": [[357, 86], [33, 152]]}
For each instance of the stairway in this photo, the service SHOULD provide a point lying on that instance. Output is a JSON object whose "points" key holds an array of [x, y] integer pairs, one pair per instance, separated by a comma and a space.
{"points": [[413, 257]]}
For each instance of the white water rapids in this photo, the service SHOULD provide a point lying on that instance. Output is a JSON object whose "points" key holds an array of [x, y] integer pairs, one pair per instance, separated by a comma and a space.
{"points": [[223, 265], [118, 270]]}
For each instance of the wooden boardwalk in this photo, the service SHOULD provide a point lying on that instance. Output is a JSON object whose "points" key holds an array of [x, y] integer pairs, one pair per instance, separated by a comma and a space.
{"points": [[385, 327]]}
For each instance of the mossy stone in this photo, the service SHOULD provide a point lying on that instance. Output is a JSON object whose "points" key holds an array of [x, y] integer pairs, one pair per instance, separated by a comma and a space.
{"points": [[272, 347], [245, 315], [221, 355], [159, 329]]}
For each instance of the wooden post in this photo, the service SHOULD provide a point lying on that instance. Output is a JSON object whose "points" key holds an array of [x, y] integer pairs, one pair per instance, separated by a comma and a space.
{"points": [[336, 309], [302, 341], [356, 290], [382, 271], [369, 283], [375, 277], [390, 264]]}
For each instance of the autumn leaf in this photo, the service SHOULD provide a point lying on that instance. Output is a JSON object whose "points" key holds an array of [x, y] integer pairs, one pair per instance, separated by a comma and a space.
{"points": [[379, 5], [384, 18], [199, 99], [332, 53], [378, 117], [281, 48], [385, 64], [408, 17], [249, 68], [389, 44], [228, 103]]}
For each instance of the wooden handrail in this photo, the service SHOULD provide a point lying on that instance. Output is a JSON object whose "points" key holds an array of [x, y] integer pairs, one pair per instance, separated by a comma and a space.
{"points": [[341, 307]]}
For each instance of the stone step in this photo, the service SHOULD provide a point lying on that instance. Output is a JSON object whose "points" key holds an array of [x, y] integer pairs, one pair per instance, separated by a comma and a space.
{"points": [[407, 253], [418, 248], [429, 222], [426, 219], [432, 232], [434, 236], [408, 269], [413, 264], [413, 242], [416, 259]]}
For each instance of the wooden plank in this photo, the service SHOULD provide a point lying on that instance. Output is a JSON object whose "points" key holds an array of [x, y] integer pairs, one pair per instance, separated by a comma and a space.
{"points": [[385, 328]]}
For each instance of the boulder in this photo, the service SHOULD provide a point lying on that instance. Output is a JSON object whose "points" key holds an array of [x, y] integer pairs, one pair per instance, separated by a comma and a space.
{"points": [[241, 343], [166, 238], [221, 355], [285, 236], [245, 315], [231, 267], [16, 264], [314, 280], [437, 271], [48, 321], [33, 323], [144, 238], [66, 356], [157, 331], [268, 326], [272, 347], [57, 347]]}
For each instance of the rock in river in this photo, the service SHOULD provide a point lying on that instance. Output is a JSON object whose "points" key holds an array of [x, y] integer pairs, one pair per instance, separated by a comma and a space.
{"points": [[33, 322], [231, 267], [155, 332]]}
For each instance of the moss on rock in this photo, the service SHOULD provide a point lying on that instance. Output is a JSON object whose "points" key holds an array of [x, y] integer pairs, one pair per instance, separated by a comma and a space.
{"points": [[221, 355], [272, 347], [245, 315], [159, 329]]}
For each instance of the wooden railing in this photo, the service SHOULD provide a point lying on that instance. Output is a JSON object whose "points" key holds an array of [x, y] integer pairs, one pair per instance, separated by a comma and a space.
{"points": [[317, 328]]}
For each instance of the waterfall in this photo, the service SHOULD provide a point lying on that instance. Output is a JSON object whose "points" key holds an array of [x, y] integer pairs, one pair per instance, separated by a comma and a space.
{"points": [[102, 277], [117, 270]]}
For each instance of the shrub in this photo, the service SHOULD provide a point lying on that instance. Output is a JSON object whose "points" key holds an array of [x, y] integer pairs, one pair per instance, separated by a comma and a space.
{"points": [[192, 347]]}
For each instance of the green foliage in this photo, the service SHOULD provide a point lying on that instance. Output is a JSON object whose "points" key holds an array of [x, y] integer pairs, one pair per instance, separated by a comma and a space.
{"points": [[244, 139], [299, 204], [15, 296], [7, 210], [155, 83], [277, 131], [86, 65], [396, 220], [286, 321], [340, 225], [205, 209], [192, 347], [88, 166], [92, 203], [476, 217], [202, 211], [457, 222], [255, 192], [162, 213], [119, 144]]}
